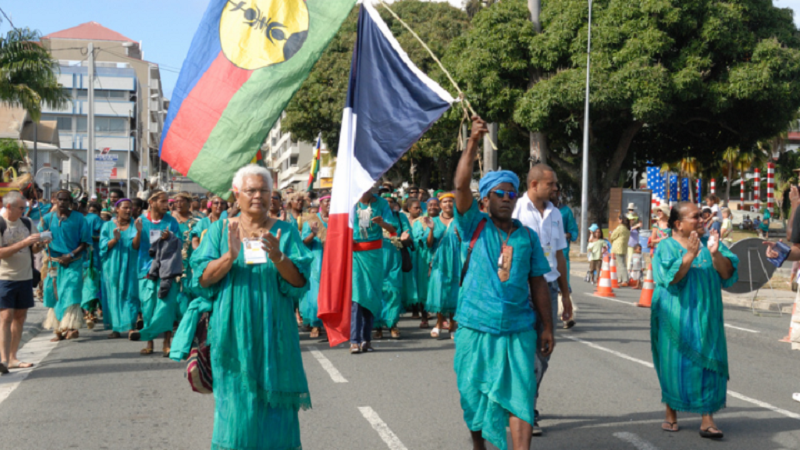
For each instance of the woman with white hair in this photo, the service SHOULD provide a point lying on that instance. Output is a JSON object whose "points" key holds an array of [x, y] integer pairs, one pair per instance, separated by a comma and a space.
{"points": [[253, 268]]}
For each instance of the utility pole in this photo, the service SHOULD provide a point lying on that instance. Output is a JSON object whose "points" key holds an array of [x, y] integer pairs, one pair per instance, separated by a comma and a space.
{"points": [[35, 148], [585, 174], [90, 187], [538, 141]]}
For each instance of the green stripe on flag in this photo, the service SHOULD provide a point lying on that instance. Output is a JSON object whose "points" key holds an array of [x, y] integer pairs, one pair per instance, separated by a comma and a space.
{"points": [[253, 110]]}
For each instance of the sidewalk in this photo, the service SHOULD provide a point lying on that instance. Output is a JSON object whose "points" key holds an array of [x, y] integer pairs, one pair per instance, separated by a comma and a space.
{"points": [[34, 322], [768, 300]]}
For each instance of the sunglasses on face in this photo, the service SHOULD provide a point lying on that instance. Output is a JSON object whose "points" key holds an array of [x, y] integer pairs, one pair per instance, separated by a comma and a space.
{"points": [[275, 197], [501, 193]]}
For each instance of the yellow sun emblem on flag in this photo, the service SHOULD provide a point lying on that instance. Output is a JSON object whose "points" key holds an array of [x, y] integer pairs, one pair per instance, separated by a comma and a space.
{"points": [[259, 33]]}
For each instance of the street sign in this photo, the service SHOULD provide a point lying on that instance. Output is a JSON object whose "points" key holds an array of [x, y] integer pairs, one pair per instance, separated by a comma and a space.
{"points": [[105, 151], [104, 166]]}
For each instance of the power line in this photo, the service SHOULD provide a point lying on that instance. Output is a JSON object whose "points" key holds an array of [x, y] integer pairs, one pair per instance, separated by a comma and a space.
{"points": [[9, 21]]}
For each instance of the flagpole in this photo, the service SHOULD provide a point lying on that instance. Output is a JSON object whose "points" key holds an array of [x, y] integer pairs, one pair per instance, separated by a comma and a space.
{"points": [[585, 174]]}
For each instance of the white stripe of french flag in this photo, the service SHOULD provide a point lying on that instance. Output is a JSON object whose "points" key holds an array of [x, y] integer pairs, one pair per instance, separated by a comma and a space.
{"points": [[397, 103]]}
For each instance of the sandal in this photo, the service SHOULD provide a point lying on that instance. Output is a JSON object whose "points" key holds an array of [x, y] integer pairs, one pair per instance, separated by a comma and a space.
{"points": [[314, 333], [379, 334], [74, 334], [20, 365], [424, 325], [146, 351], [435, 333], [672, 427], [114, 335], [395, 332], [134, 335], [166, 352], [710, 434]]}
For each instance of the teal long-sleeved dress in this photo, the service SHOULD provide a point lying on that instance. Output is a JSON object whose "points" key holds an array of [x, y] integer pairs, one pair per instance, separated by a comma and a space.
{"points": [[259, 380], [445, 270], [159, 314], [185, 295], [687, 329], [120, 291], [308, 304], [65, 290], [92, 268], [409, 291], [422, 261], [368, 271], [393, 278]]}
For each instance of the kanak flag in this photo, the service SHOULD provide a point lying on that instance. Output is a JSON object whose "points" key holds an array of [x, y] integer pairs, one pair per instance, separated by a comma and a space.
{"points": [[390, 104], [246, 61]]}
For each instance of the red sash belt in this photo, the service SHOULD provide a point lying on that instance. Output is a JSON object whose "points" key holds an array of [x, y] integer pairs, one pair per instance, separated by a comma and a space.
{"points": [[367, 246]]}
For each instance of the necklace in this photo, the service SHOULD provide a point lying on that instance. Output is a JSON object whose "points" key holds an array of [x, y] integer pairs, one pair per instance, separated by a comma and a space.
{"points": [[259, 230]]}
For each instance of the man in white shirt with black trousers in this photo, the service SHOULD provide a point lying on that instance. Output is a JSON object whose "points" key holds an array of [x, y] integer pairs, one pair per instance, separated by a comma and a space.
{"points": [[536, 212]]}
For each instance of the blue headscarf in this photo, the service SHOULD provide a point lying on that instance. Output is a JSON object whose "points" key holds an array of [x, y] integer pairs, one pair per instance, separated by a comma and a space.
{"points": [[492, 179]]}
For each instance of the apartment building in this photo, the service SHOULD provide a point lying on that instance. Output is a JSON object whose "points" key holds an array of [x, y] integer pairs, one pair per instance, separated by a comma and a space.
{"points": [[289, 159], [129, 104]]}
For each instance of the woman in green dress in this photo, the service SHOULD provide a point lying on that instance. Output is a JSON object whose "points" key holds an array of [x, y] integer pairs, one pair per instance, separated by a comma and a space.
{"points": [[218, 206], [422, 264], [186, 223], [120, 291], [315, 232], [259, 381], [445, 243], [410, 292], [687, 326]]}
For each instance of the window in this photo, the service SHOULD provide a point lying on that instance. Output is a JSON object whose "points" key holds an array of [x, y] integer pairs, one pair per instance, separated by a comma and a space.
{"points": [[102, 94], [105, 125], [64, 123], [293, 161]]}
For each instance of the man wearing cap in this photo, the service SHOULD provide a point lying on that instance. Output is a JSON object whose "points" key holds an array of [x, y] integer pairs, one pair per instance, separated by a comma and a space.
{"points": [[536, 212], [497, 337]]}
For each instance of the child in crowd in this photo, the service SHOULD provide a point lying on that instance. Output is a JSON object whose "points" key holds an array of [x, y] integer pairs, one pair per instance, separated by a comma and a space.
{"points": [[595, 250], [636, 267]]}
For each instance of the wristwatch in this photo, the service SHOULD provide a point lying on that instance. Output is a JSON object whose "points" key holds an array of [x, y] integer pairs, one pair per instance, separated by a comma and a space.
{"points": [[71, 255]]}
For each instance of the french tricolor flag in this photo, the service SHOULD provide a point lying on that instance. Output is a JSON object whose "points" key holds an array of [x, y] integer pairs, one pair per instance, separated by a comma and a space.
{"points": [[390, 104]]}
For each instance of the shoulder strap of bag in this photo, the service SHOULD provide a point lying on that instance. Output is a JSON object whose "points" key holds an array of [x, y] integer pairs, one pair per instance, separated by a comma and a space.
{"points": [[472, 242]]}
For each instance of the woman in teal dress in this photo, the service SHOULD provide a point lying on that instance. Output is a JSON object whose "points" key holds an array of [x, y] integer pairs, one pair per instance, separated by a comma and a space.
{"points": [[422, 264], [445, 269], [259, 381], [393, 275], [92, 268], [120, 291], [159, 314], [687, 326], [409, 291], [186, 223], [217, 209], [314, 234]]}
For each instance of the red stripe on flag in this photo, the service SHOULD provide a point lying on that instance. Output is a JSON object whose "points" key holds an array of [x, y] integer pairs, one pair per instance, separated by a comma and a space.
{"points": [[336, 285], [200, 113]]}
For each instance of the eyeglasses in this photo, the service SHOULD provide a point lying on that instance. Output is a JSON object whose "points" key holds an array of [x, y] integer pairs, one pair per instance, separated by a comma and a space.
{"points": [[501, 193], [275, 197], [215, 203], [253, 192]]}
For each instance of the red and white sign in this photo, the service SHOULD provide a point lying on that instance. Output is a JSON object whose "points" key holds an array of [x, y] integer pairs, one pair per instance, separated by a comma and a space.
{"points": [[105, 151], [113, 172]]}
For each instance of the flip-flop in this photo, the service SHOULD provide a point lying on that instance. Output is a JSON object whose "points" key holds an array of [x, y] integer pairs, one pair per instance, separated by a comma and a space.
{"points": [[146, 351], [710, 435], [435, 333], [20, 364], [670, 426], [796, 396]]}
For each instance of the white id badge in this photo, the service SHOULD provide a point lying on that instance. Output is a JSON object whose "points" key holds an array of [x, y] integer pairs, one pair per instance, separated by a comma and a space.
{"points": [[254, 252], [155, 235], [547, 249]]}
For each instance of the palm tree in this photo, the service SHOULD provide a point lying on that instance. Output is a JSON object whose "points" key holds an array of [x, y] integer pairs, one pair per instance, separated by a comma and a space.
{"points": [[729, 158], [689, 168], [27, 74]]}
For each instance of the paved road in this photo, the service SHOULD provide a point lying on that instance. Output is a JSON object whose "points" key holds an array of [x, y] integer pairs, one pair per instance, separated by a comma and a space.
{"points": [[601, 392]]}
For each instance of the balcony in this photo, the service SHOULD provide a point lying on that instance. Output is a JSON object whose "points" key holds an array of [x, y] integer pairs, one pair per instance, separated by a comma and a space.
{"points": [[107, 108], [119, 143]]}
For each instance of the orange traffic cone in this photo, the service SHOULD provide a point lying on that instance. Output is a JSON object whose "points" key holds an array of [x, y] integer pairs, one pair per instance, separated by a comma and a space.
{"points": [[646, 299], [604, 283], [614, 282]]}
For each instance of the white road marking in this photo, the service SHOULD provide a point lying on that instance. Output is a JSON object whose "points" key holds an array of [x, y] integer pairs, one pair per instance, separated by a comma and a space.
{"points": [[326, 364], [731, 393], [613, 300], [634, 304], [740, 328], [383, 430], [613, 352], [33, 352], [635, 440]]}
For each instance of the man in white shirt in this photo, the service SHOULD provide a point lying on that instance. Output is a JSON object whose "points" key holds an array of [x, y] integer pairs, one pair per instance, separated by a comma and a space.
{"points": [[536, 212]]}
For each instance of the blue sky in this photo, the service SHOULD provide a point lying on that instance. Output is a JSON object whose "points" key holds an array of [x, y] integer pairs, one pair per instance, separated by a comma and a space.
{"points": [[165, 27]]}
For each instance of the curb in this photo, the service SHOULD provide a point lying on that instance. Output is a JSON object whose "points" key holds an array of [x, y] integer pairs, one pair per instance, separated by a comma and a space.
{"points": [[759, 305], [35, 323]]}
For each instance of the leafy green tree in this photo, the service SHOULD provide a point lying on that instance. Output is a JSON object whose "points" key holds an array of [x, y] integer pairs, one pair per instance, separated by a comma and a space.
{"points": [[27, 73], [317, 106], [669, 79], [11, 153]]}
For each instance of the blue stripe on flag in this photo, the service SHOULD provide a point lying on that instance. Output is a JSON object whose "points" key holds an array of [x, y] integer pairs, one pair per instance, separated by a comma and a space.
{"points": [[392, 102]]}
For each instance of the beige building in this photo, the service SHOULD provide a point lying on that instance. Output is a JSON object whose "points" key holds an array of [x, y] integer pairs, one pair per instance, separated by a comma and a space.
{"points": [[290, 160], [54, 165], [129, 104]]}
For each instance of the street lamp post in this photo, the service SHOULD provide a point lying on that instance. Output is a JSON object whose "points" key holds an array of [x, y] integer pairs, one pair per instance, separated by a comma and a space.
{"points": [[585, 174]]}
